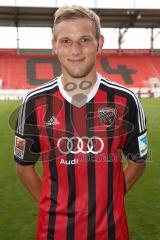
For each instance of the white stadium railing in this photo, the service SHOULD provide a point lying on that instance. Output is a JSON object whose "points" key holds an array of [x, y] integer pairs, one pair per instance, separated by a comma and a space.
{"points": [[14, 94], [147, 92], [19, 94]]}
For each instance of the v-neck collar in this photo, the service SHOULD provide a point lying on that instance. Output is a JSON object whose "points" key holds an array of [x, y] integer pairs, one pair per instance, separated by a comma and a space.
{"points": [[90, 95]]}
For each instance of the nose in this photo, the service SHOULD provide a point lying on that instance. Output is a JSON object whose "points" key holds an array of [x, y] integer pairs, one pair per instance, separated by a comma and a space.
{"points": [[76, 48]]}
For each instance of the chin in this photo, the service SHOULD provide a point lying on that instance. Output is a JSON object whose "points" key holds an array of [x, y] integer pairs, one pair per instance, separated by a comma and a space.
{"points": [[75, 72], [79, 74]]}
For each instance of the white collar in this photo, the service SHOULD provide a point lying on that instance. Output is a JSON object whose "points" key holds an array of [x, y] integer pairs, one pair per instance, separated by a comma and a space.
{"points": [[90, 95]]}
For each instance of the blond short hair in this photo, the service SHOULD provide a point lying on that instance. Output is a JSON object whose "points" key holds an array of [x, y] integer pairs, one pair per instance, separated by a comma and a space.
{"points": [[75, 12]]}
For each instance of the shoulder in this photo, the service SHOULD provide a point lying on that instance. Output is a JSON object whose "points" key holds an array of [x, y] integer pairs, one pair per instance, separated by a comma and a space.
{"points": [[118, 89], [27, 108], [41, 90], [133, 103]]}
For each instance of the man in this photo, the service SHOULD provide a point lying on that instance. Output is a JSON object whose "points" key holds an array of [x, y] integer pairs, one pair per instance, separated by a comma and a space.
{"points": [[80, 123]]}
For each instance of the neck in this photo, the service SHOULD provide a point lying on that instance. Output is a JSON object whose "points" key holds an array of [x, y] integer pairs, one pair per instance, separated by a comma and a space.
{"points": [[91, 78], [74, 86]]}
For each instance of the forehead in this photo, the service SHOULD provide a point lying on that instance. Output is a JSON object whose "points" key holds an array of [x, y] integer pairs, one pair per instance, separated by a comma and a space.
{"points": [[75, 27]]}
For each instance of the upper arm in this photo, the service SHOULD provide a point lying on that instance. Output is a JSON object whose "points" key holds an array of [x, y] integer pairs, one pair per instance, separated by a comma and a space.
{"points": [[27, 146], [135, 147]]}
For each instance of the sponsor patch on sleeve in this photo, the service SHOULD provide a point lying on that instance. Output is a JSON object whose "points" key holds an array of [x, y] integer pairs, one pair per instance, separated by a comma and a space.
{"points": [[19, 147], [143, 144]]}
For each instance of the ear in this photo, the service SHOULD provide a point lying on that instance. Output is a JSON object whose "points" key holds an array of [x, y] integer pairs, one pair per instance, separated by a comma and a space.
{"points": [[100, 44], [54, 45]]}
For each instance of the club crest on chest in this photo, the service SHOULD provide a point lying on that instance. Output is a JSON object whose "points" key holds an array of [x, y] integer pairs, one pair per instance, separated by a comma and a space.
{"points": [[107, 116]]}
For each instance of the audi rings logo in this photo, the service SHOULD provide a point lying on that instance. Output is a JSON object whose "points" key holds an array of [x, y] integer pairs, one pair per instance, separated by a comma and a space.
{"points": [[80, 145]]}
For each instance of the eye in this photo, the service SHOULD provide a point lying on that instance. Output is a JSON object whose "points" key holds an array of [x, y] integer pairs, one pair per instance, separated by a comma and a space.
{"points": [[65, 41], [85, 39]]}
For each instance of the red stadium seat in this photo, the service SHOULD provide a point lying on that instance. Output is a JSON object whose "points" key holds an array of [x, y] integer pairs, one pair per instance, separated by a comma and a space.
{"points": [[133, 69]]}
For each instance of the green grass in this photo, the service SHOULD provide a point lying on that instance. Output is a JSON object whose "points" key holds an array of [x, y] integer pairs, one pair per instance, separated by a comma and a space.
{"points": [[18, 212], [17, 209], [143, 201]]}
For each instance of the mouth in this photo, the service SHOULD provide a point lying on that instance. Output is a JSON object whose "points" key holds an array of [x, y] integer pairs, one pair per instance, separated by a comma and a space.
{"points": [[80, 60]]}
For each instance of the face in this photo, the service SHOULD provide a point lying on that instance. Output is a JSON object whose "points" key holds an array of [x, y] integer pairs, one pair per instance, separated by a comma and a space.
{"points": [[77, 47]]}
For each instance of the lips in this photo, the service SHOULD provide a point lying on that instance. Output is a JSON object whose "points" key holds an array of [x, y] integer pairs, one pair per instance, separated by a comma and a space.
{"points": [[76, 60]]}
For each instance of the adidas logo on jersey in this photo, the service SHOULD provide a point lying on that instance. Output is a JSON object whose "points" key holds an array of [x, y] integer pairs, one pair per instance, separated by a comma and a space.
{"points": [[52, 121]]}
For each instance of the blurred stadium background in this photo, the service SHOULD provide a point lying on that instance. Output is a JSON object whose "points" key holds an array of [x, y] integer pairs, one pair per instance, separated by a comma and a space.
{"points": [[23, 67]]}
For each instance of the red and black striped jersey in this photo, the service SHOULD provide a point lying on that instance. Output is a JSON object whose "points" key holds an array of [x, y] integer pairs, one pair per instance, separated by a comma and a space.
{"points": [[80, 147]]}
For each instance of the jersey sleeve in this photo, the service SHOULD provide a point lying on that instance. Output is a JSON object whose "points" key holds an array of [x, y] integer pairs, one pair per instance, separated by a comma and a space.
{"points": [[136, 144], [27, 145]]}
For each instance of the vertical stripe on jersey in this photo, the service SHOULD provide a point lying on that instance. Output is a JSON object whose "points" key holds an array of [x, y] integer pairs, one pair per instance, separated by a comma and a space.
{"points": [[53, 172], [91, 175], [71, 173], [40, 109], [81, 177], [62, 169], [110, 210], [121, 229], [101, 166]]}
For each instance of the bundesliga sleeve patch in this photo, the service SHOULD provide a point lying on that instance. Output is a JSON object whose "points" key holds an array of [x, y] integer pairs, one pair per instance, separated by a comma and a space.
{"points": [[19, 147], [143, 144]]}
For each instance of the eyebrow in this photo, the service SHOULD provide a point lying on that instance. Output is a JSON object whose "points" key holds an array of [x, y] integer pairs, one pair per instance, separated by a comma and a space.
{"points": [[67, 37]]}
